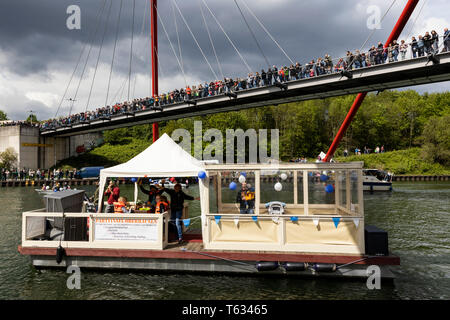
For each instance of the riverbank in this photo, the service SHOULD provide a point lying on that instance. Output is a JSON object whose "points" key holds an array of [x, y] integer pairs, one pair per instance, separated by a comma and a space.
{"points": [[401, 163]]}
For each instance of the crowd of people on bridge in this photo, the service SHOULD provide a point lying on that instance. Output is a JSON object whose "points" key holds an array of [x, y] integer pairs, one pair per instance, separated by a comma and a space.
{"points": [[429, 43], [10, 123], [23, 174]]}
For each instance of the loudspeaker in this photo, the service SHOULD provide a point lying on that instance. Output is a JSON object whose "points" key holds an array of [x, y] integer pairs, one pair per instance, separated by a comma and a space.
{"points": [[376, 241], [75, 229]]}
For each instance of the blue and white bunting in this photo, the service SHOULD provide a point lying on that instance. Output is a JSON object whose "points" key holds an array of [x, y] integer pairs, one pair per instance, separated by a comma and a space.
{"points": [[336, 221], [356, 222], [186, 222], [294, 219], [255, 218], [316, 222], [217, 218]]}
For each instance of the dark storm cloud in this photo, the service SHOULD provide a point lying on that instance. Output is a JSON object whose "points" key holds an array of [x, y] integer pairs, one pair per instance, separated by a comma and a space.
{"points": [[35, 41], [34, 33]]}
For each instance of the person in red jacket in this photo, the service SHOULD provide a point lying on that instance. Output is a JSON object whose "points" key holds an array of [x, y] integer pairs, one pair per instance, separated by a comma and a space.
{"points": [[113, 194]]}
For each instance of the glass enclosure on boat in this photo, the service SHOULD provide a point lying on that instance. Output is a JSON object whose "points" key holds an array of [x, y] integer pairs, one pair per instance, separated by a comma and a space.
{"points": [[291, 207]]}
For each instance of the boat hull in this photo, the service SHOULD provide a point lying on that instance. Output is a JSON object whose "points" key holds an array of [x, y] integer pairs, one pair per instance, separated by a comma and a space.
{"points": [[205, 261], [377, 186]]}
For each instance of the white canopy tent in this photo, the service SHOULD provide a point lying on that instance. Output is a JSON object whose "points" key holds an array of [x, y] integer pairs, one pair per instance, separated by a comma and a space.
{"points": [[164, 158]]}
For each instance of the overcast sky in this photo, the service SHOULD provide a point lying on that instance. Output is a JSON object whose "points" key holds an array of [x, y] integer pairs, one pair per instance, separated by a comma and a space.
{"points": [[38, 53]]}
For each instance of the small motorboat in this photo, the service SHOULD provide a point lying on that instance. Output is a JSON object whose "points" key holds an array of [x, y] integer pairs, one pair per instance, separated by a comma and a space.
{"points": [[44, 192], [377, 180]]}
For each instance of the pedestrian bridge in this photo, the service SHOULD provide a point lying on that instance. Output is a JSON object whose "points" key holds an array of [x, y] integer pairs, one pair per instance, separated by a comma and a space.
{"points": [[393, 75]]}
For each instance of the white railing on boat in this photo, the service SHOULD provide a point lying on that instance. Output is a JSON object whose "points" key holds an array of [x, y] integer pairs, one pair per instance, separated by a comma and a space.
{"points": [[155, 230]]}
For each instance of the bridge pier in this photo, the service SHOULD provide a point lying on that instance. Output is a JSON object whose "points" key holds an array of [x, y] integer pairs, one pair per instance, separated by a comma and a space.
{"points": [[34, 150]]}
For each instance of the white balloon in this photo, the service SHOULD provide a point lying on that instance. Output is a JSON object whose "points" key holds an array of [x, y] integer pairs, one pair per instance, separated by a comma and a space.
{"points": [[241, 179], [283, 176], [278, 186]]}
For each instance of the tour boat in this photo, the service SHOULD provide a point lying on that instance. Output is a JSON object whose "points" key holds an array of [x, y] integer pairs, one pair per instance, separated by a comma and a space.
{"points": [[376, 180], [293, 230]]}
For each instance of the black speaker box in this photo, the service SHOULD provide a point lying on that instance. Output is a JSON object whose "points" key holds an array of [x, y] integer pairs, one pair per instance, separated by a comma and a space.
{"points": [[376, 241], [75, 229]]}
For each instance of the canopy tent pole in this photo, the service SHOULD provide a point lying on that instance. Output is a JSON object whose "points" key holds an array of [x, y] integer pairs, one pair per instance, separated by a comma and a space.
{"points": [[404, 17], [154, 35]]}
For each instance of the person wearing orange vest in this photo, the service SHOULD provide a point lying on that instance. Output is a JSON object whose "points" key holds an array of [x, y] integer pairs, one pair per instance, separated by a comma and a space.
{"points": [[162, 205], [121, 206], [188, 92]]}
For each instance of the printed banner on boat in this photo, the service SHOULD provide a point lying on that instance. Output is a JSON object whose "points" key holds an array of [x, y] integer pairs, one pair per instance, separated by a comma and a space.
{"points": [[126, 229]]}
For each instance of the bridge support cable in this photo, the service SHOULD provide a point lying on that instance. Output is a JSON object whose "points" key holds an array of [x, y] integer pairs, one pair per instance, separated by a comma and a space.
{"points": [[131, 50], [415, 19], [172, 47], [267, 31], [114, 52], [226, 35], [251, 32], [87, 58], [78, 63], [398, 28], [178, 34], [144, 20], [195, 39], [99, 54], [210, 40], [372, 33]]}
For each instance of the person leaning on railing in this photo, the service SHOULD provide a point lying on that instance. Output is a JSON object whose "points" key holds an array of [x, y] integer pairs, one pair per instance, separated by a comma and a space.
{"points": [[374, 56]]}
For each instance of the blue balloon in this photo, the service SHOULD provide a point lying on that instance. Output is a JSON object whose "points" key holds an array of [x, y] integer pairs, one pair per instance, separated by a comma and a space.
{"points": [[133, 180], [233, 186], [202, 174], [244, 174], [324, 177], [329, 188]]}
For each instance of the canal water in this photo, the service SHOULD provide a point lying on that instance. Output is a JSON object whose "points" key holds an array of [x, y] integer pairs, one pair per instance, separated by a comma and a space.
{"points": [[416, 216]]}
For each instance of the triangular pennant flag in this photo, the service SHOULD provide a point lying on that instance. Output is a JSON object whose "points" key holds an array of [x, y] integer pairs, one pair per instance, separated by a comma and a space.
{"points": [[217, 218], [187, 222], [336, 221], [236, 221], [356, 222], [255, 218], [316, 222], [294, 219]]}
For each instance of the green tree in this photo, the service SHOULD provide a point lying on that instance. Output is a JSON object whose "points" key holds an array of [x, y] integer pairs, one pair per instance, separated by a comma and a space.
{"points": [[8, 158], [3, 116], [436, 140], [32, 118]]}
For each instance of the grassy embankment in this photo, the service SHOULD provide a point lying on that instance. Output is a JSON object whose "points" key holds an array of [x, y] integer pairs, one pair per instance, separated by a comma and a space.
{"points": [[401, 162]]}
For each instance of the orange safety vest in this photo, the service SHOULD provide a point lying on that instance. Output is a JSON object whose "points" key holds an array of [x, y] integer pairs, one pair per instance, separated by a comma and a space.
{"points": [[118, 207], [161, 207], [188, 90]]}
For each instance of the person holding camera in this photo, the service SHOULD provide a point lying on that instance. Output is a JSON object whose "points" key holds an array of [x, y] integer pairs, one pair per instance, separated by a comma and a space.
{"points": [[113, 194]]}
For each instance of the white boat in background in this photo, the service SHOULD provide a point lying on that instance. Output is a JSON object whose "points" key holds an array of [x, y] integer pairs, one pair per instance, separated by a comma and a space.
{"points": [[376, 180], [43, 192]]}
